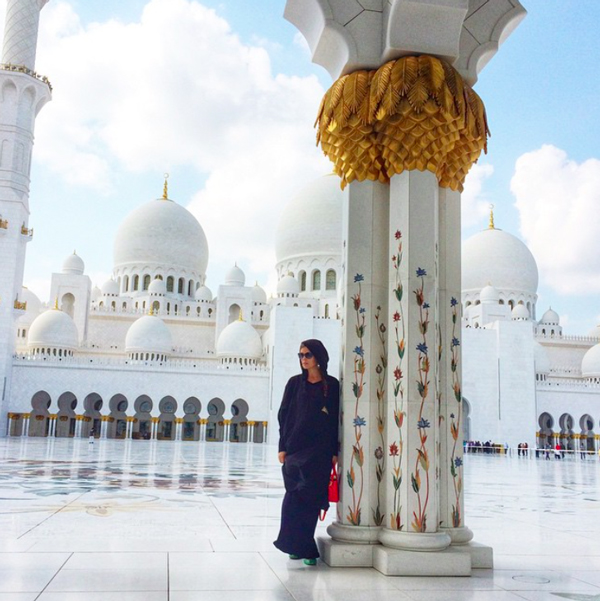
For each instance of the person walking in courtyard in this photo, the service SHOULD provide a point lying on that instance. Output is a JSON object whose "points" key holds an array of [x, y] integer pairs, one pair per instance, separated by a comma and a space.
{"points": [[308, 446]]}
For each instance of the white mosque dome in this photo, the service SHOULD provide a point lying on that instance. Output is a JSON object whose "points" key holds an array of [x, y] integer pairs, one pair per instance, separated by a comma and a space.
{"points": [[157, 287], [520, 312], [499, 257], [239, 340], [53, 329], [542, 362], [311, 224], [550, 318], [110, 288], [288, 286], [489, 294], [73, 265], [258, 294], [96, 293], [161, 234], [203, 294], [235, 277], [590, 366], [34, 304], [149, 334]]}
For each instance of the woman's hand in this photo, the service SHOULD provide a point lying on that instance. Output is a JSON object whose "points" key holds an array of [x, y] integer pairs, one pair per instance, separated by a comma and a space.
{"points": [[281, 456]]}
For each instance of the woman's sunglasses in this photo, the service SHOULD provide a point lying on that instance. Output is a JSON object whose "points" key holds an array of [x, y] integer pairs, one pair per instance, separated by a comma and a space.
{"points": [[308, 355]]}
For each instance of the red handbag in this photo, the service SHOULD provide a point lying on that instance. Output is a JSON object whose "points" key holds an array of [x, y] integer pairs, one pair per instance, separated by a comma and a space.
{"points": [[333, 490]]}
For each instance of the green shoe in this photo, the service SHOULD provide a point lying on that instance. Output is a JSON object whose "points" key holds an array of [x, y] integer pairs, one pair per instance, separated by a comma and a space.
{"points": [[292, 556], [310, 562]]}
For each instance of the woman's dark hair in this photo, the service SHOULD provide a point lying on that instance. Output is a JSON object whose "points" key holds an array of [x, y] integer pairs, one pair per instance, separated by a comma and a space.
{"points": [[317, 348]]}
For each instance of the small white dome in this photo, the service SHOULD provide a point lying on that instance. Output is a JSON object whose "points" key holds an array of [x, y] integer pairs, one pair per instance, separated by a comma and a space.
{"points": [[203, 294], [489, 294], [550, 318], [235, 277], [110, 288], [73, 265], [542, 362], [499, 257], [96, 293], [239, 340], [157, 287], [288, 285], [593, 333], [519, 312], [149, 334], [590, 366], [34, 304], [53, 329], [258, 294]]}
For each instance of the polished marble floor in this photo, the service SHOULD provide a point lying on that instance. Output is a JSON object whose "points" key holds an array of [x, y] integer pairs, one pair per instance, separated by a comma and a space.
{"points": [[161, 521]]}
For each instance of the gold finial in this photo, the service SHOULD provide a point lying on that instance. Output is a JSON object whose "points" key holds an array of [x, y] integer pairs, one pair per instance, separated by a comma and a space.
{"points": [[56, 303], [151, 310], [166, 188], [241, 317], [491, 224]]}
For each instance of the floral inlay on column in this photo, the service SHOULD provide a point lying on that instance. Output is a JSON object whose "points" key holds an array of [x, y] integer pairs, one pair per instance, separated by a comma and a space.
{"points": [[456, 460], [381, 370], [396, 448], [419, 522], [358, 455]]}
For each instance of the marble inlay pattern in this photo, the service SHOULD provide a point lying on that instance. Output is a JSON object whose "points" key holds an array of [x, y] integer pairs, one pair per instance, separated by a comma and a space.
{"points": [[158, 521]]}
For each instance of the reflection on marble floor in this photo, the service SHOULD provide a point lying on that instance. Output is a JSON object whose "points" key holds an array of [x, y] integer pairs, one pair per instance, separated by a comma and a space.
{"points": [[148, 520]]}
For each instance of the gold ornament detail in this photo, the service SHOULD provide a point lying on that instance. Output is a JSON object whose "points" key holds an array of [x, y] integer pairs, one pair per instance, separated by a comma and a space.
{"points": [[415, 112]]}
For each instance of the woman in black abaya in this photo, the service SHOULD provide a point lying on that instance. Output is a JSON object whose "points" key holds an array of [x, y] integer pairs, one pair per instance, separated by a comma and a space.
{"points": [[308, 445]]}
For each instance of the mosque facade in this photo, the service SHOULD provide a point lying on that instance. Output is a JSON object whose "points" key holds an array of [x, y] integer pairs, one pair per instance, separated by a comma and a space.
{"points": [[154, 354]]}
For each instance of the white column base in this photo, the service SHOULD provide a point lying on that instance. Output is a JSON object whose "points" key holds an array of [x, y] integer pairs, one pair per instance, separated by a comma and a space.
{"points": [[459, 536], [414, 541], [482, 556], [456, 560], [364, 535], [396, 562], [345, 555]]}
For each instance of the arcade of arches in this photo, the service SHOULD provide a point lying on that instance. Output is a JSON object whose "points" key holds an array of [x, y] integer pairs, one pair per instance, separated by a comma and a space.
{"points": [[121, 423], [571, 433]]}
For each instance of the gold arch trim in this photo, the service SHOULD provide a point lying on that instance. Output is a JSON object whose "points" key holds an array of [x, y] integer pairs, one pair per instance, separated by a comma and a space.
{"points": [[415, 112]]}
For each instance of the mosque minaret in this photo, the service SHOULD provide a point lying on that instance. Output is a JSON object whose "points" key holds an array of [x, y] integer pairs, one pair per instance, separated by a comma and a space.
{"points": [[22, 94]]}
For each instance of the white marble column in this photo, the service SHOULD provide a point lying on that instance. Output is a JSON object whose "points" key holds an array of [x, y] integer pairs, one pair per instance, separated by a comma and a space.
{"points": [[360, 511]]}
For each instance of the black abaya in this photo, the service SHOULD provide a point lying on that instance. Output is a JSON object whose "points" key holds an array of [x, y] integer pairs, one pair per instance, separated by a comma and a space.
{"points": [[308, 424]]}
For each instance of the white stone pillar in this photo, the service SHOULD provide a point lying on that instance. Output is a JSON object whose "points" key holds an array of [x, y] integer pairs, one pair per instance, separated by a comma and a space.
{"points": [[364, 281], [452, 518]]}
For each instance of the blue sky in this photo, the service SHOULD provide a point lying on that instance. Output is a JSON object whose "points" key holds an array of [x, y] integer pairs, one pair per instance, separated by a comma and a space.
{"points": [[124, 85]]}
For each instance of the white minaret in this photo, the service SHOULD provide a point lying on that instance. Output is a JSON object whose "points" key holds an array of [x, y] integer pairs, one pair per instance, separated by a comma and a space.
{"points": [[22, 94]]}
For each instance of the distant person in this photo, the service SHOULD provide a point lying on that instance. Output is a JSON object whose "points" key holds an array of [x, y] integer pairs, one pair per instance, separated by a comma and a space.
{"points": [[92, 434], [557, 452], [308, 445]]}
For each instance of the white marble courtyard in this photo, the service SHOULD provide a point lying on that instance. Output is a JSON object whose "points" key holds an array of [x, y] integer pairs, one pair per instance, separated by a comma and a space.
{"points": [[161, 521]]}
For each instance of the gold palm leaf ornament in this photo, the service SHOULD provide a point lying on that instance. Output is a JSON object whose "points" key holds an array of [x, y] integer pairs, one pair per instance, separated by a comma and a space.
{"points": [[415, 112]]}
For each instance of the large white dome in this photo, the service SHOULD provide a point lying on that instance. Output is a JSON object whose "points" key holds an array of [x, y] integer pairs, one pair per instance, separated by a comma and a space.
{"points": [[500, 258], [311, 224], [53, 329], [34, 304], [161, 235], [239, 340], [149, 334]]}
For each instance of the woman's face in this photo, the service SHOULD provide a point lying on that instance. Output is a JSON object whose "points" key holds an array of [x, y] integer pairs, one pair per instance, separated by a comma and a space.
{"points": [[306, 362]]}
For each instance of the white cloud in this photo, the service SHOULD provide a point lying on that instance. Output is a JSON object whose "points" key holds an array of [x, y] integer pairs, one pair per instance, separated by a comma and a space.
{"points": [[557, 199], [474, 204]]}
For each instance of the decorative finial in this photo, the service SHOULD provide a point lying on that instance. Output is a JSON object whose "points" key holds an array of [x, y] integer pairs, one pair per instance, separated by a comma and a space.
{"points": [[491, 225], [56, 303], [151, 311], [166, 188], [241, 317]]}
